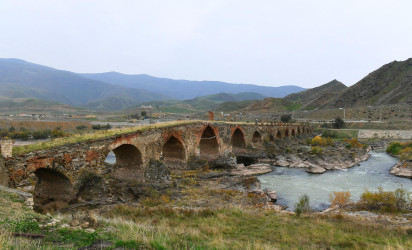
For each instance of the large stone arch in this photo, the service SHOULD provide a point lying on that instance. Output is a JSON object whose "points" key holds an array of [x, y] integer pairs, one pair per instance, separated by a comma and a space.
{"points": [[129, 163], [238, 139], [287, 132], [271, 138], [293, 132], [279, 135], [174, 153], [257, 137], [299, 130], [53, 190], [208, 145]]}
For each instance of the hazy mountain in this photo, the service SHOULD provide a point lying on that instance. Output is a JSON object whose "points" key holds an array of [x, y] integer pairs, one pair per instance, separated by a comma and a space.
{"points": [[204, 103], [184, 89], [390, 84], [317, 97], [23, 79]]}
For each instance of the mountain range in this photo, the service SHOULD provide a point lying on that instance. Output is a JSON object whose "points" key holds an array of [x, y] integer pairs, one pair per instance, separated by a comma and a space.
{"points": [[110, 91]]}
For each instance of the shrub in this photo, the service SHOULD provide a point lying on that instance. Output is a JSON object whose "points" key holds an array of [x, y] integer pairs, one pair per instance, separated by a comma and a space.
{"points": [[57, 133], [316, 150], [394, 148], [41, 134], [340, 199], [286, 118], [81, 127], [354, 143], [101, 127], [383, 201], [329, 133], [338, 123], [320, 141], [302, 206]]}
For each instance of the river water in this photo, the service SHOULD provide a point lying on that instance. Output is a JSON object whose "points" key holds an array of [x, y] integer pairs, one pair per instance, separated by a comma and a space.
{"points": [[292, 183]]}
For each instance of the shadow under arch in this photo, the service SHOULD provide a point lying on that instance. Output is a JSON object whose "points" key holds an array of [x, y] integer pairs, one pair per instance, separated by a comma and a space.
{"points": [[174, 154], [53, 190], [128, 164], [208, 145], [257, 137]]}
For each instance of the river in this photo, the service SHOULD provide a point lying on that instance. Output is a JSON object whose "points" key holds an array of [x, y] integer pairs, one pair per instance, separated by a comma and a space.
{"points": [[292, 183]]}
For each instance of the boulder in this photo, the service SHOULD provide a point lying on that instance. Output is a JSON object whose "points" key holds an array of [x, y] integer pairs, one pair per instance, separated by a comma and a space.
{"points": [[254, 169], [316, 170], [272, 195]]}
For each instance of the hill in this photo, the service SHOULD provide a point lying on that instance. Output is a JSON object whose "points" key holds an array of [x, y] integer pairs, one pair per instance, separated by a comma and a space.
{"points": [[21, 79], [184, 89], [30, 105], [390, 84], [316, 97], [219, 102]]}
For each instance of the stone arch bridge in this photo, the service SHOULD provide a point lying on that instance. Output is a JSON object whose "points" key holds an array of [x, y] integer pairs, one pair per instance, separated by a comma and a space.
{"points": [[54, 173]]}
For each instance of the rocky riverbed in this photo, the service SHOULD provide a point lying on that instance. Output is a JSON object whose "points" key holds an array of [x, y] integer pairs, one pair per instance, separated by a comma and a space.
{"points": [[402, 169]]}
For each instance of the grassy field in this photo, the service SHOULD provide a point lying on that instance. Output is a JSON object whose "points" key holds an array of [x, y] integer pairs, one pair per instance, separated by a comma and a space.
{"points": [[167, 228]]}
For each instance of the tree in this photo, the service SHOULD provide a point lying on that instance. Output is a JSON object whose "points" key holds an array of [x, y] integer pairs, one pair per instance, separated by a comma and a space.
{"points": [[143, 113], [338, 123], [285, 118]]}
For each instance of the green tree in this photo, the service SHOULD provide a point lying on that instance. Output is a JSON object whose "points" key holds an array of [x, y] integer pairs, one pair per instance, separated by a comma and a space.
{"points": [[143, 113], [286, 118], [338, 123]]}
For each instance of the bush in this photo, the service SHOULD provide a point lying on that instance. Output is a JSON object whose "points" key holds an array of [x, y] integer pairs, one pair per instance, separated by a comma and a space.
{"points": [[41, 134], [302, 206], [394, 148], [338, 123], [57, 133], [316, 150], [22, 135], [383, 201], [101, 127], [340, 199], [321, 141], [286, 118], [329, 133], [354, 143], [81, 127]]}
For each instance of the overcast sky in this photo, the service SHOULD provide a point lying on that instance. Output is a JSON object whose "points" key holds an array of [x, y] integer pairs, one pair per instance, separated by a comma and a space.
{"points": [[305, 43]]}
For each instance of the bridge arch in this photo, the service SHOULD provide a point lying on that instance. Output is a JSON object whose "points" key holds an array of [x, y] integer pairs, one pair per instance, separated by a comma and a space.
{"points": [[52, 191], [271, 138], [238, 139], [293, 132], [174, 153], [257, 137], [299, 131], [129, 162], [279, 135], [287, 132], [208, 145]]}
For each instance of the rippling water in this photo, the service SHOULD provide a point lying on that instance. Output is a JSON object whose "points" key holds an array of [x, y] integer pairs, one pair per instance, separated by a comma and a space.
{"points": [[291, 183]]}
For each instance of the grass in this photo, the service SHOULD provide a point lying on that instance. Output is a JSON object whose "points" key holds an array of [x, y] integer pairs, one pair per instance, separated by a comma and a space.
{"points": [[166, 227]]}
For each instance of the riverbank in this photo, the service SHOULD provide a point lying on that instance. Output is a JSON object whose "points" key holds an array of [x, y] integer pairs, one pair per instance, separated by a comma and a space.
{"points": [[168, 227]]}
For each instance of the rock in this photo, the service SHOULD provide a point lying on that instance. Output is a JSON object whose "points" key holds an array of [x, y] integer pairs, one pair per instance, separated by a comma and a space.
{"points": [[401, 169], [157, 172], [276, 208], [272, 195], [74, 223], [65, 226], [316, 170], [225, 161], [90, 230], [254, 169], [85, 225]]}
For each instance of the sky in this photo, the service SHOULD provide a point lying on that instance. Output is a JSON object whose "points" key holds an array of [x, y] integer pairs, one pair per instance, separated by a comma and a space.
{"points": [[263, 42]]}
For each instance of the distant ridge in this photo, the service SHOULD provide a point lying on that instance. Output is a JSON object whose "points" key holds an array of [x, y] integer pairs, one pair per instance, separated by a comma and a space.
{"points": [[390, 84], [319, 96], [184, 89], [115, 91]]}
